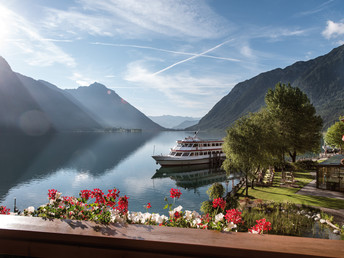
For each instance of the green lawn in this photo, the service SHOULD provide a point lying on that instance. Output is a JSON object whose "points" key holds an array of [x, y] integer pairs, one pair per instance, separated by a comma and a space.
{"points": [[284, 194]]}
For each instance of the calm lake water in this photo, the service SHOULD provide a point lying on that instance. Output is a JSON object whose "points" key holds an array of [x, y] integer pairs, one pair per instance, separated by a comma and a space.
{"points": [[29, 166]]}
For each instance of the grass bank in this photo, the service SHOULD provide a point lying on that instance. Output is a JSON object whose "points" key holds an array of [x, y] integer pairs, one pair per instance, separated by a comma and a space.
{"points": [[279, 193]]}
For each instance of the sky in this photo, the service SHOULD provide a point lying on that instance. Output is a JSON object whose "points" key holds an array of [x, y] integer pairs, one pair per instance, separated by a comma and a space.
{"points": [[165, 57]]}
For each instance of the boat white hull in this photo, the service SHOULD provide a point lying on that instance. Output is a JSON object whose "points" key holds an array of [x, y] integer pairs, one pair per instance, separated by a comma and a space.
{"points": [[165, 160]]}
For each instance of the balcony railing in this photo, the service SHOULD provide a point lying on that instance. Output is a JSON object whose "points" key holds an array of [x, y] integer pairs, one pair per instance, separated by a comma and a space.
{"points": [[35, 237]]}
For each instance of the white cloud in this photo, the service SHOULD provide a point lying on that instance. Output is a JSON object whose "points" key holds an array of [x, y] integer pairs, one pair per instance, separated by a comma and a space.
{"points": [[246, 51], [135, 18], [316, 9], [81, 80], [183, 89], [26, 38], [333, 29]]}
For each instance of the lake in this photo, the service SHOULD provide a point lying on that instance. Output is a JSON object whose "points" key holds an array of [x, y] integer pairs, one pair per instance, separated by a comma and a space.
{"points": [[29, 166]]}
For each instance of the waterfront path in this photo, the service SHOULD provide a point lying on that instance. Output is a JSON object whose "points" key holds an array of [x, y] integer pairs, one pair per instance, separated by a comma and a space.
{"points": [[310, 189]]}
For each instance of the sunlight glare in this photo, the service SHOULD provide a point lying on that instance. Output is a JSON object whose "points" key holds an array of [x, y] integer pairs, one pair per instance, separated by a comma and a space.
{"points": [[5, 23]]}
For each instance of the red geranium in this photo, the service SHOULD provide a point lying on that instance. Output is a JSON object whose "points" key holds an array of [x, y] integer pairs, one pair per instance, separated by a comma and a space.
{"points": [[52, 194], [234, 216], [85, 194], [149, 205], [4, 210], [219, 202], [177, 215], [175, 193], [123, 204], [261, 226]]}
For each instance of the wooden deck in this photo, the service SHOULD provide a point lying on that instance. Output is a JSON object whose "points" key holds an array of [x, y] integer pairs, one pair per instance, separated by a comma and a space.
{"points": [[27, 236]]}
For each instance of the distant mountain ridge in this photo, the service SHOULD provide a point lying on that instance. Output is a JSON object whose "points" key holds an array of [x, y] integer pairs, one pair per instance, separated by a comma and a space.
{"points": [[175, 122], [322, 79], [37, 107], [112, 110]]}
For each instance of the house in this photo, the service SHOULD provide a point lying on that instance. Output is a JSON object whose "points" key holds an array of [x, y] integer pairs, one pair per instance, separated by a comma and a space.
{"points": [[330, 174]]}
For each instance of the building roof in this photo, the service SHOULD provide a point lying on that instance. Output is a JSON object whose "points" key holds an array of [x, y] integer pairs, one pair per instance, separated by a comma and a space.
{"points": [[333, 161]]}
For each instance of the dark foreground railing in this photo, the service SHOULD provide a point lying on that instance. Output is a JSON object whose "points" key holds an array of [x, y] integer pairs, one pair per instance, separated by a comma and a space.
{"points": [[27, 236]]}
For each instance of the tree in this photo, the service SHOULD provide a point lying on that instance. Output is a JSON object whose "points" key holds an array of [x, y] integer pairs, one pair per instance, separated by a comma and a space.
{"points": [[334, 135], [249, 145], [295, 119]]}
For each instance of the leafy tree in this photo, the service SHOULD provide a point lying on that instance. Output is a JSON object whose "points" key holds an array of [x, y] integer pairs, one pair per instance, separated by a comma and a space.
{"points": [[295, 119], [249, 145], [334, 135]]}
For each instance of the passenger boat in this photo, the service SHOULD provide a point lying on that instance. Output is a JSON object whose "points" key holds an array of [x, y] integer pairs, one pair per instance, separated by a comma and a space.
{"points": [[192, 151]]}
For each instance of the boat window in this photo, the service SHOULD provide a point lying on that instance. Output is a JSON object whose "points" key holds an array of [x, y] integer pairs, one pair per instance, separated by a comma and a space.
{"points": [[173, 153], [178, 154], [185, 154], [196, 145], [192, 154]]}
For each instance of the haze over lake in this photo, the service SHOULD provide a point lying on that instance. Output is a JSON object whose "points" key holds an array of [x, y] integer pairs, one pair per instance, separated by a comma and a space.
{"points": [[77, 161]]}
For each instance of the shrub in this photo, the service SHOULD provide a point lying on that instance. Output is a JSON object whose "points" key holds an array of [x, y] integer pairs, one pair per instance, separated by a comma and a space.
{"points": [[306, 165]]}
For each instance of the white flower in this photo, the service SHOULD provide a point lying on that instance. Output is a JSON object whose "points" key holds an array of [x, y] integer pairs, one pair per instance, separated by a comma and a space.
{"points": [[145, 217], [58, 194], [179, 208], [196, 214], [219, 217], [30, 209], [196, 221], [229, 227], [188, 215], [161, 219], [322, 221]]}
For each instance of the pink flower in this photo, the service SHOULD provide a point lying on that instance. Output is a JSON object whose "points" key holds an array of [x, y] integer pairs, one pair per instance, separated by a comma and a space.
{"points": [[219, 202], [175, 193]]}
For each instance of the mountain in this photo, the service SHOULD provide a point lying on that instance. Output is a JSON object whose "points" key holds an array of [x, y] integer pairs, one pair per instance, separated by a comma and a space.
{"points": [[64, 113], [186, 124], [111, 109], [37, 107], [174, 122], [19, 111], [322, 79]]}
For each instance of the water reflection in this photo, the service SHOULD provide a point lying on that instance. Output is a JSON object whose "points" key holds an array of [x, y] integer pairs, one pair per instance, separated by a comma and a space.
{"points": [[24, 158], [29, 166], [195, 176]]}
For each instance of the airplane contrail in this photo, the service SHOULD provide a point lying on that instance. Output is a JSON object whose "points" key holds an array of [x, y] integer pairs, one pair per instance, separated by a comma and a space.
{"points": [[165, 50], [190, 58]]}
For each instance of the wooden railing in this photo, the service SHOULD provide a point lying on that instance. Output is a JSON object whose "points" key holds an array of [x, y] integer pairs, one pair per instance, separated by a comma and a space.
{"points": [[35, 237]]}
